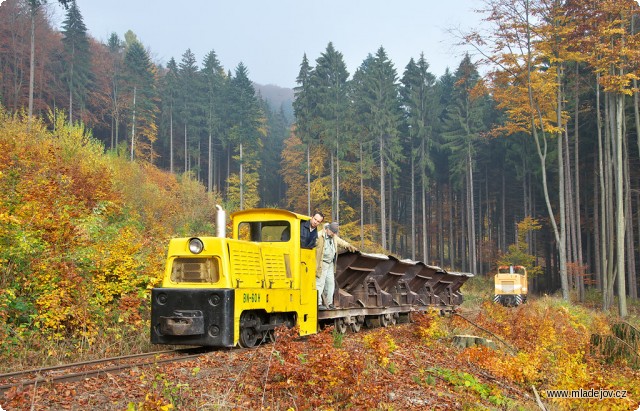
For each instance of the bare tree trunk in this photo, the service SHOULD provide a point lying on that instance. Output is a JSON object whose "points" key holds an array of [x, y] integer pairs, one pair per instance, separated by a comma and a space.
{"points": [[425, 231], [413, 208], [597, 204], [451, 217], [210, 163], [391, 240], [439, 204], [383, 204], [502, 239], [620, 220], [631, 271], [333, 189], [171, 139], [604, 261], [241, 180], [361, 198], [133, 122], [561, 182], [337, 177], [32, 65], [571, 226], [609, 223], [309, 177], [186, 154], [576, 161], [471, 215]]}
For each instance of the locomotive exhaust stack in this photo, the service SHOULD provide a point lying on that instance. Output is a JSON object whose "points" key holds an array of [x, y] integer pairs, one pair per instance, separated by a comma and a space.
{"points": [[221, 222]]}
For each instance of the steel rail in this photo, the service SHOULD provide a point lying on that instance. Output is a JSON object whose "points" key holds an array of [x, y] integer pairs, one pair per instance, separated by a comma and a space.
{"points": [[77, 376]]}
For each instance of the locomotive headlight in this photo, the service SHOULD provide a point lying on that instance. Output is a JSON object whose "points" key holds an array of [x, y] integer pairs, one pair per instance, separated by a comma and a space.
{"points": [[196, 246]]}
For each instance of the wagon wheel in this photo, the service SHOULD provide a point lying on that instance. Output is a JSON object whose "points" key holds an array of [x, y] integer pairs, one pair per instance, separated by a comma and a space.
{"points": [[404, 318], [341, 325], [385, 319], [369, 322], [248, 334], [394, 318], [356, 323]]}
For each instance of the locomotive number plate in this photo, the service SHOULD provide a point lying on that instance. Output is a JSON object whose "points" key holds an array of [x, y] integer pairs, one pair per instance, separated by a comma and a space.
{"points": [[251, 298]]}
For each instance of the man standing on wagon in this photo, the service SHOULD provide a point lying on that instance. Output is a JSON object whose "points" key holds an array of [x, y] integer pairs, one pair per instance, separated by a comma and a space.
{"points": [[326, 256]]}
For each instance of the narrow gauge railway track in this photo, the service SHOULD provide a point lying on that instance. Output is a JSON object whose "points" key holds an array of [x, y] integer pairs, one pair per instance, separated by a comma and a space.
{"points": [[81, 370]]}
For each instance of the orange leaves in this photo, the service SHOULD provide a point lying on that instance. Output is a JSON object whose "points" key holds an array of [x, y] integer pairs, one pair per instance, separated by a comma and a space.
{"points": [[553, 348], [320, 374]]}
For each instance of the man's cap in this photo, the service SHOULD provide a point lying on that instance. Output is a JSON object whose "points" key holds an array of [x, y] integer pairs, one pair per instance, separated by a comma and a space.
{"points": [[334, 227]]}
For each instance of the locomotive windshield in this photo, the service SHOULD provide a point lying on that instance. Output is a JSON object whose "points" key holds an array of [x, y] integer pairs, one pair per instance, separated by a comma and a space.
{"points": [[514, 269], [265, 231]]}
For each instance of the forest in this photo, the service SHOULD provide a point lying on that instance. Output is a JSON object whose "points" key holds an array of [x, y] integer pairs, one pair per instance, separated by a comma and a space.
{"points": [[441, 169]]}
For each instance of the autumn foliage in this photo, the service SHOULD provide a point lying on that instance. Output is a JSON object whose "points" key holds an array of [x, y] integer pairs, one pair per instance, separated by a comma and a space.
{"points": [[82, 234], [546, 344]]}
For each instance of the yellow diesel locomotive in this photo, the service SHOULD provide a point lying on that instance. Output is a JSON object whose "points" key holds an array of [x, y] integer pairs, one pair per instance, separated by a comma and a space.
{"points": [[511, 287], [223, 292]]}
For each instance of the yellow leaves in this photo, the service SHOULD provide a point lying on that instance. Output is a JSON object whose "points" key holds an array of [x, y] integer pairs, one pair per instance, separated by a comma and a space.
{"points": [[382, 345], [428, 327]]}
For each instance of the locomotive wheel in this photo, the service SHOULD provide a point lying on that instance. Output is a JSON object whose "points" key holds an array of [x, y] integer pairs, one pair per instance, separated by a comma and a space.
{"points": [[248, 334], [270, 336], [341, 325], [385, 320], [356, 323]]}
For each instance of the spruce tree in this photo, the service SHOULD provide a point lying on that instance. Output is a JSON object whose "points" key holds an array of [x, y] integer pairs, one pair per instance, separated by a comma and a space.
{"points": [[418, 100], [143, 101], [329, 82], [248, 127], [214, 78], [77, 58]]}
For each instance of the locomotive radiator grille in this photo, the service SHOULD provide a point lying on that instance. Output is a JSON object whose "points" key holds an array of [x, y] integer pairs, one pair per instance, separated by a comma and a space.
{"points": [[195, 270]]}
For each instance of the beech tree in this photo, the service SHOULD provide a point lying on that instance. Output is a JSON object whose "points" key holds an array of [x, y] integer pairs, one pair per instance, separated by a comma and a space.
{"points": [[526, 85], [611, 48]]}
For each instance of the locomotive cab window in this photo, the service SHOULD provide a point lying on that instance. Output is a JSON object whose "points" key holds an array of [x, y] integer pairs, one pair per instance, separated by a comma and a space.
{"points": [[265, 231], [195, 270]]}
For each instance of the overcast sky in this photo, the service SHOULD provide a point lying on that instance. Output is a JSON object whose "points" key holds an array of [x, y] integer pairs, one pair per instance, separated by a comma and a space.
{"points": [[271, 36]]}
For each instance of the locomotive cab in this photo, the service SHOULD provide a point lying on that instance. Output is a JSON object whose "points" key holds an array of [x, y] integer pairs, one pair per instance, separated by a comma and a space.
{"points": [[219, 291], [511, 285]]}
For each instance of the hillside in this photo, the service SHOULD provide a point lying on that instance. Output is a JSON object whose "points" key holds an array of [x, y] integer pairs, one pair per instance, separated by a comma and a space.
{"points": [[277, 96]]}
